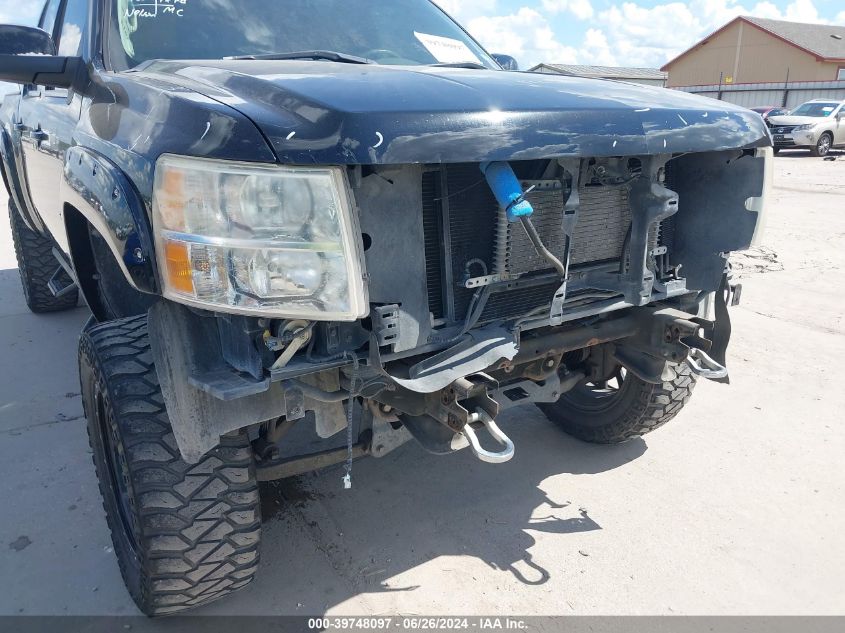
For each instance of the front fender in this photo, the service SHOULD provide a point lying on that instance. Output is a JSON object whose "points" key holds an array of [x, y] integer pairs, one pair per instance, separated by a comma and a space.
{"points": [[103, 194]]}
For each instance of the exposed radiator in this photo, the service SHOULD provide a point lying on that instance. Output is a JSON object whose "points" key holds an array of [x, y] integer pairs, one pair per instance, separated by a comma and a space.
{"points": [[467, 235], [603, 222]]}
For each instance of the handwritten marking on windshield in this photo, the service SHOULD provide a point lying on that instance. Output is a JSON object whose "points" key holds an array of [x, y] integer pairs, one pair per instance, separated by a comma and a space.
{"points": [[380, 140], [154, 8], [290, 136]]}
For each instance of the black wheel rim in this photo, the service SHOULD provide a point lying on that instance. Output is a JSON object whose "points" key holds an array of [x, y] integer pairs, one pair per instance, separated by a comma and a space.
{"points": [[118, 470], [599, 396]]}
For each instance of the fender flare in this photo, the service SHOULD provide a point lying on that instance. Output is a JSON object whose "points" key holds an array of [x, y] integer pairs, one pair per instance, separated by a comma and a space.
{"points": [[100, 191]]}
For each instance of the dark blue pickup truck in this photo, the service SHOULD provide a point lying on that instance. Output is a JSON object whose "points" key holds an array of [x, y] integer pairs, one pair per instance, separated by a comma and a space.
{"points": [[345, 218]]}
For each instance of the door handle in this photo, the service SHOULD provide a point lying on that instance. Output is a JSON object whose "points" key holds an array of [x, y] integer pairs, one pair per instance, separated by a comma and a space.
{"points": [[38, 136]]}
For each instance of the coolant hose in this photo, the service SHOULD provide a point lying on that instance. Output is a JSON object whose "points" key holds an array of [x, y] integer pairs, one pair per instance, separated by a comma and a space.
{"points": [[506, 188], [541, 248]]}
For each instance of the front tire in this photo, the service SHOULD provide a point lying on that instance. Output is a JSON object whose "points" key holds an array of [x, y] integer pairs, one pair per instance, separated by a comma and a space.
{"points": [[184, 534], [622, 408], [823, 145], [37, 265]]}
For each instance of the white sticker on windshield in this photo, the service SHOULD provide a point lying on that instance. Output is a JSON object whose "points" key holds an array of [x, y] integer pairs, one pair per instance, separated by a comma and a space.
{"points": [[827, 109], [446, 50]]}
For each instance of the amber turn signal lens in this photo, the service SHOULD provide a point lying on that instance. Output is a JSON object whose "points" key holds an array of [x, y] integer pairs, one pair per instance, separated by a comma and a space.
{"points": [[178, 261]]}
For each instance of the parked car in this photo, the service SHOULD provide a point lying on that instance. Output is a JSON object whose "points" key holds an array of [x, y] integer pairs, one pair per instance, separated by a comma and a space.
{"points": [[345, 215], [770, 111], [817, 125]]}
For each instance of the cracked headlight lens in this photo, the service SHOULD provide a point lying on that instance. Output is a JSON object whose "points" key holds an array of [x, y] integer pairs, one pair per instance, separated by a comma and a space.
{"points": [[268, 240]]}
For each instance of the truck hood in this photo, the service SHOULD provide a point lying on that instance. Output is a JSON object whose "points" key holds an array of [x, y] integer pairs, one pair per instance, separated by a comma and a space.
{"points": [[334, 113], [775, 121]]}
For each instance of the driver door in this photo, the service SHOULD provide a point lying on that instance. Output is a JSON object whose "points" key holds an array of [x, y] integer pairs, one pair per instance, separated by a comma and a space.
{"points": [[48, 118]]}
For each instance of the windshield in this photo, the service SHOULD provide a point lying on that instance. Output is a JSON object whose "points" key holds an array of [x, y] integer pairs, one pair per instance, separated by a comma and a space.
{"points": [[815, 109], [410, 32]]}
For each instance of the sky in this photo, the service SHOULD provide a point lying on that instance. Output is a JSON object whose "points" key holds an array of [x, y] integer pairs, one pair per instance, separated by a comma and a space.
{"points": [[603, 32]]}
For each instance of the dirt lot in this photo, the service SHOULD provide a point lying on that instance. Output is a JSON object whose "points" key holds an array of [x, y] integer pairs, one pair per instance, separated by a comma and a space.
{"points": [[735, 507]]}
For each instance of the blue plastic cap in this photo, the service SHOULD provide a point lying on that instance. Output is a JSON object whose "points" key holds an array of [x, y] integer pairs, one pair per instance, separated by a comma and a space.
{"points": [[519, 210], [505, 186]]}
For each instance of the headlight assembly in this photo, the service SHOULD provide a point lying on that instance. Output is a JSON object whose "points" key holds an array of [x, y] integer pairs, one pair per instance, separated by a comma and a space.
{"points": [[253, 239], [803, 128]]}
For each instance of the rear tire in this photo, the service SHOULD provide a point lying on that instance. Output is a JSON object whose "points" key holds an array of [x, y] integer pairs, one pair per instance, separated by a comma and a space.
{"points": [[184, 534], [608, 416], [37, 265]]}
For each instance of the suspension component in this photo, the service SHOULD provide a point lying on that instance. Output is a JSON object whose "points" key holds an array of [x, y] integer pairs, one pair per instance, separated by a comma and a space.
{"points": [[301, 333]]}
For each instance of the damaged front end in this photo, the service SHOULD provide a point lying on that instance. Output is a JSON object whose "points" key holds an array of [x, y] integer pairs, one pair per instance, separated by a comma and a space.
{"points": [[488, 286]]}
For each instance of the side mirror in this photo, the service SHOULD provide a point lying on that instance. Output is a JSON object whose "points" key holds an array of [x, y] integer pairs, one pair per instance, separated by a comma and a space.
{"points": [[506, 61], [28, 56]]}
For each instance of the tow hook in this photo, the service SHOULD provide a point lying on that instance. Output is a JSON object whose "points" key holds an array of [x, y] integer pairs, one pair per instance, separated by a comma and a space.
{"points": [[481, 416], [451, 420], [702, 365]]}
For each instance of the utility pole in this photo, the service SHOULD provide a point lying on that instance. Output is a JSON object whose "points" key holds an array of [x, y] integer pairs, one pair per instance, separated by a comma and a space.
{"points": [[785, 89], [719, 93]]}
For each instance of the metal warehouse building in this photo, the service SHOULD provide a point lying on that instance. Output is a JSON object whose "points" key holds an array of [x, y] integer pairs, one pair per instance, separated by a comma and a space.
{"points": [[648, 76], [754, 50], [754, 62]]}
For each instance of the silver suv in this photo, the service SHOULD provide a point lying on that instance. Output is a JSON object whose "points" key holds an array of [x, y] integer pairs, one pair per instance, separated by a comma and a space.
{"points": [[817, 125]]}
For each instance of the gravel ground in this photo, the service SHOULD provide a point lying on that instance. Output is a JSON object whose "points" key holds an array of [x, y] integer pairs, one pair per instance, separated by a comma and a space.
{"points": [[736, 507]]}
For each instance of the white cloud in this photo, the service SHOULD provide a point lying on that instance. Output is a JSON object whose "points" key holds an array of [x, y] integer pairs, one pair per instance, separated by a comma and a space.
{"points": [[582, 9], [802, 11], [71, 37], [20, 11], [465, 10], [525, 35], [596, 49], [840, 18], [652, 36]]}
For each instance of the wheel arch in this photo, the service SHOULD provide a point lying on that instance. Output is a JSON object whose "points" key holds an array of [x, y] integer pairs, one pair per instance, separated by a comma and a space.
{"points": [[82, 259], [98, 195]]}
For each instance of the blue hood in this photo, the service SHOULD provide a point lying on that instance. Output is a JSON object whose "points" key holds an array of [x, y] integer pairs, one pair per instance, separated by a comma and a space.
{"points": [[334, 113]]}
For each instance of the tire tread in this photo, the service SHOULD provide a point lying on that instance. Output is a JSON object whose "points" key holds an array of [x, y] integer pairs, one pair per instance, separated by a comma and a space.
{"points": [[37, 265], [199, 524], [653, 406]]}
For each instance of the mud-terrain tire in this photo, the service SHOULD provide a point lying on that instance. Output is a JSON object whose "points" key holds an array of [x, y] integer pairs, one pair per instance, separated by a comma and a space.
{"points": [[37, 265], [823, 145], [184, 534], [605, 416]]}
